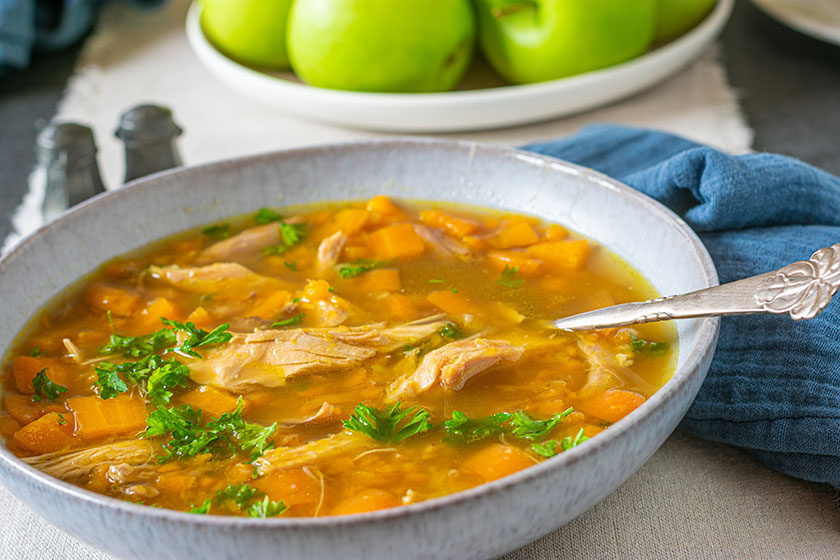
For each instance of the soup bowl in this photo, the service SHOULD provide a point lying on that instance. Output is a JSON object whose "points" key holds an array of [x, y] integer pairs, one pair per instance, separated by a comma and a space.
{"points": [[483, 522]]}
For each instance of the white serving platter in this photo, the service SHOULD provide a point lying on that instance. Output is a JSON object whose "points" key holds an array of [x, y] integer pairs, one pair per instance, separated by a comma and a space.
{"points": [[483, 102], [819, 19]]}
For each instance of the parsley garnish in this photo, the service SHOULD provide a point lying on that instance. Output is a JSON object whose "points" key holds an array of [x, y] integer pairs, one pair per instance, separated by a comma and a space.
{"points": [[290, 265], [139, 346], [296, 320], [437, 281], [361, 266], [169, 375], [242, 494], [549, 448], [109, 383], [228, 433], [568, 442], [450, 330], [35, 352], [61, 421], [266, 508], [44, 388], [198, 337], [463, 430], [390, 425], [266, 216], [291, 234], [454, 290], [221, 231], [202, 509], [642, 346], [510, 278], [546, 449], [530, 428]]}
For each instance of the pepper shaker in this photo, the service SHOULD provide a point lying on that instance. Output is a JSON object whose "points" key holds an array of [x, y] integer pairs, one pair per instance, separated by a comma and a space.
{"points": [[148, 133], [67, 153]]}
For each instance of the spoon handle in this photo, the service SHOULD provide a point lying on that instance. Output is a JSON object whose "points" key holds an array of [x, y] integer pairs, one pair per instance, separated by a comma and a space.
{"points": [[801, 289]]}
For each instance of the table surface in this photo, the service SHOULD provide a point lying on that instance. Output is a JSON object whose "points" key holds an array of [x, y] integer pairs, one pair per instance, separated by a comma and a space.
{"points": [[788, 84]]}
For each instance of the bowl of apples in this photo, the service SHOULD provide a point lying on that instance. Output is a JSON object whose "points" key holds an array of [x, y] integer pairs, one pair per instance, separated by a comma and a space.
{"points": [[447, 65]]}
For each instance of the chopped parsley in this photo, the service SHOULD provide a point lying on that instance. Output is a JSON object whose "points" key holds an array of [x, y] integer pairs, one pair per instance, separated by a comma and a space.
{"points": [[290, 234], [463, 430], [202, 509], [44, 388], [454, 290], [390, 425], [198, 337], [437, 281], [509, 278], [296, 320], [290, 265], [642, 346], [568, 442], [169, 375], [35, 352], [109, 383], [61, 421], [266, 216], [526, 427], [242, 494], [266, 508], [547, 449], [139, 346], [450, 330], [220, 231], [227, 434], [360, 266]]}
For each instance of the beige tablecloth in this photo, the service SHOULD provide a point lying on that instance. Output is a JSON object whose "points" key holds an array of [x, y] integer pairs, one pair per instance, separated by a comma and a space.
{"points": [[693, 499]]}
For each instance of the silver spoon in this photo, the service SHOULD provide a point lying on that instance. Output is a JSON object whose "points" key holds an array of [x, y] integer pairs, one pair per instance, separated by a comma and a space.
{"points": [[802, 289]]}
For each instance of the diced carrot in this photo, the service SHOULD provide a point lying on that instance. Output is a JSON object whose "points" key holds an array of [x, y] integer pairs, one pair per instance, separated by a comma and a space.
{"points": [[555, 232], [379, 280], [293, 486], [525, 266], [491, 222], [346, 220], [452, 303], [497, 460], [568, 255], [150, 316], [399, 240], [98, 418], [371, 499], [319, 217], [200, 317], [211, 400], [24, 410], [612, 405], [454, 226], [400, 307], [119, 301], [353, 252], [8, 426], [475, 243], [270, 306], [518, 234], [48, 433], [382, 209], [175, 484], [317, 289], [25, 368]]}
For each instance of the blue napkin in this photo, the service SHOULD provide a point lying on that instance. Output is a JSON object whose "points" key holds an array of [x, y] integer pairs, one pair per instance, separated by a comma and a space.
{"points": [[27, 25], [774, 384]]}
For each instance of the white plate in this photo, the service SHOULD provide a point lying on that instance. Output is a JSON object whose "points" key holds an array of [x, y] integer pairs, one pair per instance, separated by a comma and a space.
{"points": [[491, 105], [818, 18]]}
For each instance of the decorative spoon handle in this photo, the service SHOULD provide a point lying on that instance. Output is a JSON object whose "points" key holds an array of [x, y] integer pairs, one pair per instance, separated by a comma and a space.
{"points": [[802, 289]]}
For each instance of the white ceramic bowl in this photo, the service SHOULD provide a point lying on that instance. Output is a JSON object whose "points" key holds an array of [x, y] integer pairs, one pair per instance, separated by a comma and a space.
{"points": [[471, 109], [483, 522]]}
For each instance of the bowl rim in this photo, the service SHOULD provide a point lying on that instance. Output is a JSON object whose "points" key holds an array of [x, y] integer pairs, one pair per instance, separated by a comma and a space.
{"points": [[707, 335]]}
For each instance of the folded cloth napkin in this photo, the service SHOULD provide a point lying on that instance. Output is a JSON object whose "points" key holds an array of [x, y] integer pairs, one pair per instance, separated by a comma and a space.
{"points": [[26, 25], [774, 384]]}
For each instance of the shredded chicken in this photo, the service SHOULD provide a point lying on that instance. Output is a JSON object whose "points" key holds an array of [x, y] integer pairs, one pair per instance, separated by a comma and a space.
{"points": [[605, 369], [267, 358], [73, 350], [330, 249], [454, 364], [442, 243], [316, 450], [77, 464], [215, 278], [326, 414]]}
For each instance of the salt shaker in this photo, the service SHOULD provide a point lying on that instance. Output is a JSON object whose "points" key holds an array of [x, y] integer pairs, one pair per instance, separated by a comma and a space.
{"points": [[148, 133], [67, 153]]}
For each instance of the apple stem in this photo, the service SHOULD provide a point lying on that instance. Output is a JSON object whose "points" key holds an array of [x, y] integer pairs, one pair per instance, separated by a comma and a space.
{"points": [[513, 7]]}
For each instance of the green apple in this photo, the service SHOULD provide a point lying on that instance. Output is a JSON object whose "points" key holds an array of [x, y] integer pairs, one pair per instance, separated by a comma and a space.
{"points": [[675, 17], [251, 31], [381, 45], [537, 40]]}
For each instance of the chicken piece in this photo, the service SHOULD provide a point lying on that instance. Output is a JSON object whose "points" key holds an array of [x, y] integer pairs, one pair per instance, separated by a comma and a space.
{"points": [[605, 368], [216, 278], [267, 358], [452, 365], [244, 243], [326, 414], [442, 243], [330, 249], [77, 464], [313, 451]]}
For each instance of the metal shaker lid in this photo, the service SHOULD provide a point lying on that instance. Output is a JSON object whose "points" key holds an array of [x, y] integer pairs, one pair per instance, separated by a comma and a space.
{"points": [[74, 140], [147, 123]]}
